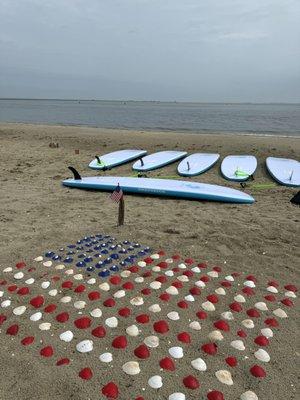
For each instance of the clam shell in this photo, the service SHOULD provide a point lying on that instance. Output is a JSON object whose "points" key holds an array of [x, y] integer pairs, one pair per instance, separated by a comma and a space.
{"points": [[250, 284], [213, 274], [172, 290], [80, 304], [151, 341], [111, 322], [155, 256], [176, 352], [45, 285], [267, 332], [5, 303], [200, 284], [169, 260], [229, 278], [154, 308], [19, 310], [182, 266], [8, 269], [137, 301], [249, 395], [239, 298], [45, 326], [290, 294], [53, 292], [280, 313], [66, 336], [215, 336], [78, 277], [238, 345], [195, 325], [197, 270], [261, 306], [69, 272], [221, 291], [156, 269], [104, 286], [169, 273], [1, 293], [155, 285], [262, 355], [183, 278], [139, 279], [85, 346], [106, 357], [19, 275], [141, 264], [224, 377], [91, 281], [132, 330], [47, 263], [189, 297], [65, 299], [59, 266], [131, 368], [38, 259], [272, 289], [29, 281], [173, 315], [119, 294], [36, 316], [125, 274], [96, 313], [227, 315], [208, 306], [248, 323], [155, 382], [177, 396], [199, 364]]}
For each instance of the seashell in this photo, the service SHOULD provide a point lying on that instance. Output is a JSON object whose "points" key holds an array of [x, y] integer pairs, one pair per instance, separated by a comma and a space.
{"points": [[45, 326], [289, 293], [262, 355], [78, 277], [227, 315], [267, 332], [199, 364], [141, 264], [66, 336], [106, 357], [125, 274], [215, 336], [156, 269], [131, 368], [38, 259], [272, 289], [132, 330], [208, 306], [137, 301], [197, 270], [45, 285], [119, 294], [139, 279], [261, 306], [155, 382], [200, 284], [65, 299], [96, 313], [213, 274], [239, 298], [1, 293], [47, 263], [169, 260], [189, 297], [151, 341], [59, 266], [173, 315], [53, 292], [155, 285], [182, 266], [91, 281], [36, 316], [176, 352], [169, 273], [155, 256], [29, 281], [154, 308], [195, 325], [79, 304], [249, 284], [280, 313], [183, 278], [224, 377], [229, 278], [85, 346], [104, 286], [249, 395], [220, 291], [5, 303], [248, 323], [111, 322], [177, 396], [172, 290], [19, 275], [238, 345], [69, 272], [19, 310], [8, 269]]}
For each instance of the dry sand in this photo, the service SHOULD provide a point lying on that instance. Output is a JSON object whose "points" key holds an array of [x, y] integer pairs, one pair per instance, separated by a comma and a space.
{"points": [[38, 214]]}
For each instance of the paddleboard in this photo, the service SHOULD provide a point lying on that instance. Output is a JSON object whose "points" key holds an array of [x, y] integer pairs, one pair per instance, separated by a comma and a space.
{"points": [[158, 160], [116, 158], [238, 168], [284, 170], [197, 163], [161, 187]]}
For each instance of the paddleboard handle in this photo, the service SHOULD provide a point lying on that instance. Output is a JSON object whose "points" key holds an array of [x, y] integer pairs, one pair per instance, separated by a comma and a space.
{"points": [[98, 159], [142, 162], [76, 174], [188, 165]]}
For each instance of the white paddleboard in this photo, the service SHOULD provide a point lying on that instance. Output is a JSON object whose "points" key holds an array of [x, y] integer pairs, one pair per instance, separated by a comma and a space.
{"points": [[238, 168], [284, 170], [197, 163], [158, 160], [162, 187], [115, 158]]}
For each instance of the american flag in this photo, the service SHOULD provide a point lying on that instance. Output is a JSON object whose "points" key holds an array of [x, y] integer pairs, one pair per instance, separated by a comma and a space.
{"points": [[117, 194]]}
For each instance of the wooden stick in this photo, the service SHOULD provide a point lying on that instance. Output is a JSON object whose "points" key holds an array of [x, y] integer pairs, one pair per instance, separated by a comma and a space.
{"points": [[121, 212]]}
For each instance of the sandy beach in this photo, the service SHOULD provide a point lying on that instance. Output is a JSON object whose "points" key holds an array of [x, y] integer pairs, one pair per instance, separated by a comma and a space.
{"points": [[39, 214]]}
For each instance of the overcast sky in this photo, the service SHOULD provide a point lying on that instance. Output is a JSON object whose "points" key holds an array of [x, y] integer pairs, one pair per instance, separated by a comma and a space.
{"points": [[189, 50]]}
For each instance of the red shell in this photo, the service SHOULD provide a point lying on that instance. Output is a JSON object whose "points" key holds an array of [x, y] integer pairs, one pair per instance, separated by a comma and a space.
{"points": [[252, 312], [94, 296], [147, 274], [86, 373], [142, 318], [258, 371], [226, 284], [165, 297], [195, 291], [99, 332], [109, 302], [261, 341], [184, 337], [217, 269], [251, 278], [177, 284], [124, 312], [191, 382], [213, 298], [161, 326], [210, 348], [63, 361], [37, 301], [287, 302], [134, 269], [23, 291], [148, 260], [128, 286], [62, 317], [79, 289], [231, 361], [176, 257], [215, 395], [273, 283], [163, 265], [20, 265], [270, 297], [242, 333], [204, 279], [189, 261], [167, 363], [13, 330], [188, 273], [236, 307], [202, 265], [3, 318], [161, 279], [120, 342], [142, 351], [47, 351], [50, 308], [248, 291], [83, 322], [271, 322], [291, 288], [27, 340], [222, 325], [201, 314], [111, 390], [146, 291], [115, 280], [67, 284], [183, 304], [12, 288]]}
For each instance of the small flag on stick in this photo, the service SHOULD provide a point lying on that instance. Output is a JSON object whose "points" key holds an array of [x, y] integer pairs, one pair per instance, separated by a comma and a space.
{"points": [[118, 197]]}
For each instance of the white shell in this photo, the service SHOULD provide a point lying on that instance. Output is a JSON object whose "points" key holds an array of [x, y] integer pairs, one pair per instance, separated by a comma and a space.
{"points": [[19, 310], [125, 274], [59, 266], [195, 325], [239, 298], [272, 289], [238, 345], [182, 266], [65, 299], [224, 377], [177, 396], [227, 315], [151, 341], [1, 293], [173, 315], [200, 284], [176, 352], [155, 382], [96, 313], [5, 303], [213, 274], [104, 286], [229, 278], [139, 279], [215, 336], [199, 364], [91, 281], [208, 306], [155, 256], [248, 323], [280, 313], [111, 322], [66, 336], [261, 306], [156, 269], [132, 330], [38, 259], [36, 316], [47, 263], [69, 272], [8, 269], [289, 293], [267, 332], [45, 285], [155, 308], [262, 355], [131, 368], [142, 264], [80, 304], [249, 395], [172, 290], [155, 285], [169, 273], [183, 278], [53, 292], [189, 297], [137, 301], [119, 294], [197, 270], [78, 277], [19, 275], [45, 326], [250, 284], [106, 357], [221, 291], [85, 346], [169, 260], [29, 281]]}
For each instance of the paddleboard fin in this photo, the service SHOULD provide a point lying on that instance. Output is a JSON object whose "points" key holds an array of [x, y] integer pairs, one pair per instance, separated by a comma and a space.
{"points": [[76, 174]]}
